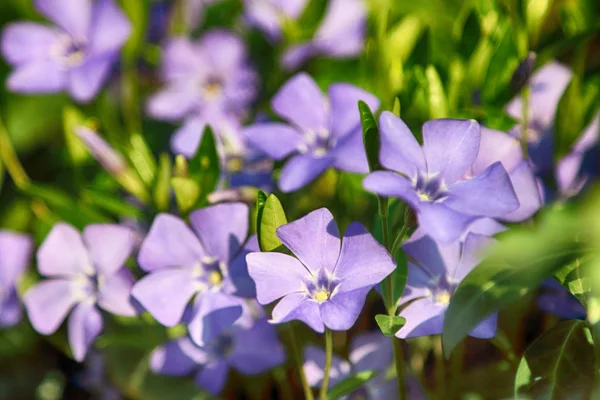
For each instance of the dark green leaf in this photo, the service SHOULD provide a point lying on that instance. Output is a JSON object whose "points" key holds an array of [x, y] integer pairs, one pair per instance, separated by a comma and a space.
{"points": [[204, 167], [370, 135], [261, 200], [514, 267], [558, 365], [389, 325], [269, 219], [350, 384]]}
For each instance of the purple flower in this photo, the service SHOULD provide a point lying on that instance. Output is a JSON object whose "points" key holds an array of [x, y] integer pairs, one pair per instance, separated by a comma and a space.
{"points": [[340, 35], [557, 300], [327, 284], [249, 347], [432, 179], [85, 272], [76, 55], [498, 146], [15, 252], [270, 15], [433, 275], [368, 351], [208, 263], [321, 134], [209, 79]]}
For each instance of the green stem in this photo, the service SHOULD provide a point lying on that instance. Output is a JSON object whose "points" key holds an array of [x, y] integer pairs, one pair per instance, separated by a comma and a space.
{"points": [[456, 364], [284, 388], [403, 231], [525, 120], [308, 394], [383, 213], [440, 369], [328, 357], [11, 161]]}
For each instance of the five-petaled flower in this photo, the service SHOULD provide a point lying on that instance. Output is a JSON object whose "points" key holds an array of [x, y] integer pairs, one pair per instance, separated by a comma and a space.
{"points": [[322, 133], [431, 179], [76, 55], [208, 264], [327, 284], [15, 252], [85, 272]]}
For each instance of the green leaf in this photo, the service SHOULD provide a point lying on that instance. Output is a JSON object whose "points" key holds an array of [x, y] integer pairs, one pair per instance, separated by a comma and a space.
{"points": [[389, 325], [370, 135], [162, 189], [72, 118], [558, 365], [438, 104], [187, 193], [115, 205], [204, 167], [137, 13], [270, 217], [350, 384], [514, 267]]}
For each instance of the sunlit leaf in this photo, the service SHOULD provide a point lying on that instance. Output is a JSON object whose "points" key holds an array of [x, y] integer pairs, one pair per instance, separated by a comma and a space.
{"points": [[270, 217], [389, 325]]}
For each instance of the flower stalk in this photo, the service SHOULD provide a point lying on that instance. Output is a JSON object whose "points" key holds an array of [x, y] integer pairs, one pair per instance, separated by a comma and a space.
{"points": [[328, 358], [308, 394]]}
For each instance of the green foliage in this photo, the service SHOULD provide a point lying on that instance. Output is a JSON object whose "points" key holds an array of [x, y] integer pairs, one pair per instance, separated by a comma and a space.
{"points": [[204, 168], [270, 216], [371, 139], [389, 325], [350, 384]]}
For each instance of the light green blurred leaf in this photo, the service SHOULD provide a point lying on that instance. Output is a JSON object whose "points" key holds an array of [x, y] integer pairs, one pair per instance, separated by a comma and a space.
{"points": [[438, 103], [162, 189], [350, 384], [187, 193], [270, 217], [389, 325], [204, 167]]}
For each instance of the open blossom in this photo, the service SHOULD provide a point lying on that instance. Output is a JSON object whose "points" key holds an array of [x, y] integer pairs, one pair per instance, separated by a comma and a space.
{"points": [[15, 252], [433, 275], [431, 179], [341, 34], [321, 133], [270, 15], [326, 285], [84, 272], [249, 346], [76, 55], [207, 263]]}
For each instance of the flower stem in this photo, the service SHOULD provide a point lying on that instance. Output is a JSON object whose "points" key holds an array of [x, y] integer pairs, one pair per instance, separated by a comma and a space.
{"points": [[308, 394], [328, 357], [403, 231], [11, 161]]}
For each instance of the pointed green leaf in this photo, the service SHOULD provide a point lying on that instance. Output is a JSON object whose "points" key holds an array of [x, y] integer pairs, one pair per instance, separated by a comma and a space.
{"points": [[270, 217], [204, 167], [438, 103], [350, 384], [389, 325], [187, 193], [72, 118], [162, 189], [558, 365], [370, 135]]}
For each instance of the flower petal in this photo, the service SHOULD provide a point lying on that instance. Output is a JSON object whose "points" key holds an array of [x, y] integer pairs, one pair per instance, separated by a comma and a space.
{"points": [[490, 194], [215, 312], [314, 239], [85, 324], [296, 306], [275, 275], [170, 359], [349, 154], [340, 312], [166, 293], [472, 253], [314, 365], [85, 80], [296, 55], [371, 351], [275, 139], [109, 246], [256, 349], [526, 188], [173, 102], [114, 293], [399, 150], [433, 258], [222, 228], [10, 308], [110, 28], [363, 261], [391, 184], [450, 147], [186, 139], [222, 50], [418, 284], [212, 376], [72, 15], [63, 253], [48, 303], [37, 77], [300, 101], [424, 317], [15, 253], [242, 284], [342, 31], [180, 59], [486, 329], [24, 42], [169, 243], [442, 223], [497, 146], [345, 117], [300, 170]]}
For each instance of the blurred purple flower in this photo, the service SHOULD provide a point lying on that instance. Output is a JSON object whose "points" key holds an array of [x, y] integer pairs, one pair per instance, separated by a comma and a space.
{"points": [[556, 299], [498, 146], [86, 272], [209, 79], [321, 133], [15, 252], [249, 348], [327, 284], [433, 276], [208, 263], [270, 15], [340, 35], [75, 56], [431, 178]]}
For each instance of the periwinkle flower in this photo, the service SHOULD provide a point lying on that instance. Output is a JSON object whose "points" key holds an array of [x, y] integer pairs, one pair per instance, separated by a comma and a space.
{"points": [[84, 272], [326, 285], [15, 252], [341, 34], [76, 55], [209, 79], [271, 15], [321, 133], [556, 299], [431, 179], [249, 347], [433, 275], [207, 263]]}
